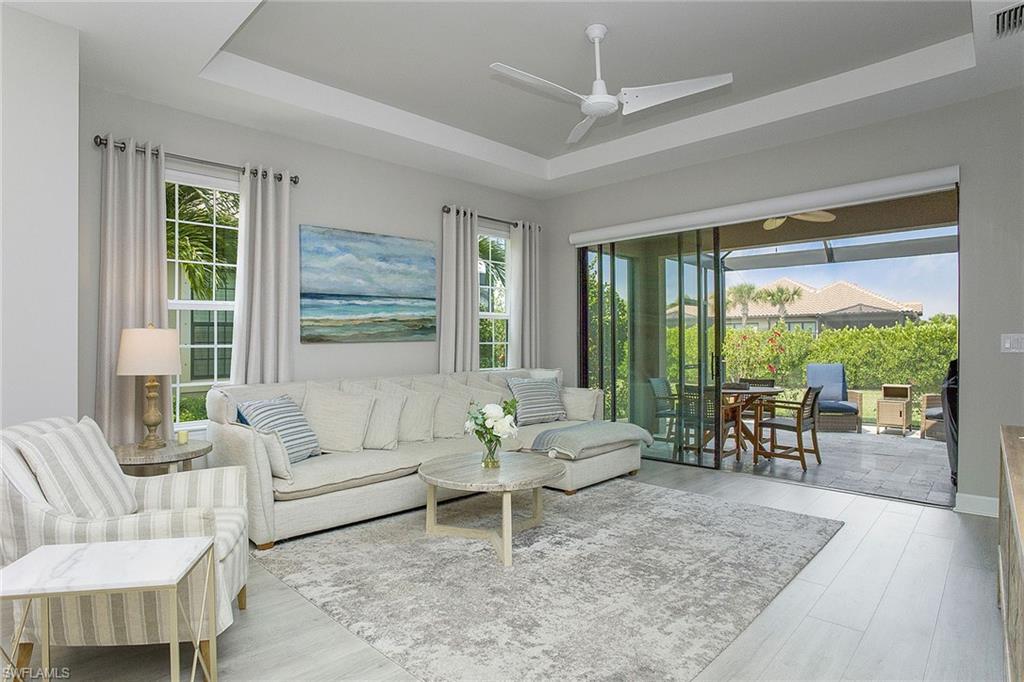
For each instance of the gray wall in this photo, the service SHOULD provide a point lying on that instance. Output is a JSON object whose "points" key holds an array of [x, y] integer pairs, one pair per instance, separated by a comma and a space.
{"points": [[985, 137], [338, 189], [39, 234]]}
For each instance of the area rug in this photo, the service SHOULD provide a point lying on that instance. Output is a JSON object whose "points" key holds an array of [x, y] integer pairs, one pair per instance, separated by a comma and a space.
{"points": [[624, 580]]}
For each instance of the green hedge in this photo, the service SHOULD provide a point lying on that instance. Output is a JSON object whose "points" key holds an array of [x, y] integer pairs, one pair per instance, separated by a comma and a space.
{"points": [[911, 353]]}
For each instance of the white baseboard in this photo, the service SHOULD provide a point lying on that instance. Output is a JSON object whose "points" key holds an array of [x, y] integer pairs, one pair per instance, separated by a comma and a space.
{"points": [[976, 504]]}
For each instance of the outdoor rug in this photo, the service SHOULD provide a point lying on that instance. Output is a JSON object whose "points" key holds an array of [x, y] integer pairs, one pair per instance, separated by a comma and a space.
{"points": [[622, 581]]}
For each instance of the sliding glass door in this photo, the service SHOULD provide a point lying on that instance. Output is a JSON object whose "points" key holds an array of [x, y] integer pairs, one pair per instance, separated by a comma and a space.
{"points": [[650, 337]]}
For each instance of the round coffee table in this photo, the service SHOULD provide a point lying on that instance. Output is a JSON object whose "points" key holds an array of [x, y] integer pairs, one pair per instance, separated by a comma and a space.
{"points": [[518, 471], [175, 456]]}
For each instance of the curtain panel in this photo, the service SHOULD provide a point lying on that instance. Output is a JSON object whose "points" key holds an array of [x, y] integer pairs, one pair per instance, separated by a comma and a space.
{"points": [[458, 329], [524, 292], [265, 313], [133, 281]]}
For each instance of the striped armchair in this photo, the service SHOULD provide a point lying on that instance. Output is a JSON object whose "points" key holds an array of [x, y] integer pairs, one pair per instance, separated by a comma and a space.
{"points": [[207, 502]]}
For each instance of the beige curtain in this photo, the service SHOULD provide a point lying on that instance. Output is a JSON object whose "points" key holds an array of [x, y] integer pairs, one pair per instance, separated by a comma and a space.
{"points": [[458, 311], [266, 320], [133, 280], [524, 295]]}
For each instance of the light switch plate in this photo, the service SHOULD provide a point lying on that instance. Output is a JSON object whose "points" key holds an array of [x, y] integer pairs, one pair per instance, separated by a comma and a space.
{"points": [[1011, 343]]}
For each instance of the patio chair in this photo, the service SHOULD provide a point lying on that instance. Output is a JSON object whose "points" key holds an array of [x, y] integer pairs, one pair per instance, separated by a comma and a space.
{"points": [[665, 407], [804, 420], [761, 383], [839, 409], [698, 407], [933, 425]]}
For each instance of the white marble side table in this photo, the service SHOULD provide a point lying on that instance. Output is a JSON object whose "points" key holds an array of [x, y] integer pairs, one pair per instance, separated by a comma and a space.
{"points": [[94, 568], [518, 471]]}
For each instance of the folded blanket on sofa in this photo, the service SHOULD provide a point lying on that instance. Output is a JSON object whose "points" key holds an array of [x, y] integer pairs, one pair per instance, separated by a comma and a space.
{"points": [[590, 439]]}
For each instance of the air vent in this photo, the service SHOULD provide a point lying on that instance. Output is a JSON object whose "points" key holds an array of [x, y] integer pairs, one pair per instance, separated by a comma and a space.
{"points": [[1009, 20]]}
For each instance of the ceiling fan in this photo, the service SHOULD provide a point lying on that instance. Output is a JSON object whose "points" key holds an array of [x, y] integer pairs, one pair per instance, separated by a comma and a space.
{"points": [[809, 216], [599, 103]]}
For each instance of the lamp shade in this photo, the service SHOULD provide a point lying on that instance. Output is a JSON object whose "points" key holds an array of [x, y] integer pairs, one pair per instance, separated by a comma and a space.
{"points": [[148, 351]]}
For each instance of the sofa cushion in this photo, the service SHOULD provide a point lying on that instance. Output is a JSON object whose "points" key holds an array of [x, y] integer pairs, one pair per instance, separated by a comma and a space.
{"points": [[340, 420], [451, 410], [342, 470], [417, 421], [382, 433], [222, 401], [837, 407], [282, 416], [580, 403], [78, 472], [537, 400], [933, 413], [480, 396], [474, 380]]}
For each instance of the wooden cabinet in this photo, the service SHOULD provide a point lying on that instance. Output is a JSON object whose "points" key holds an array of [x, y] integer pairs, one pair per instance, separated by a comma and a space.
{"points": [[1011, 547], [893, 408]]}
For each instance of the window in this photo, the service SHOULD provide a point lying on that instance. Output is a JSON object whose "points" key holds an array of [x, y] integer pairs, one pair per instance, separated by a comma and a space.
{"points": [[812, 327], [493, 306], [202, 260]]}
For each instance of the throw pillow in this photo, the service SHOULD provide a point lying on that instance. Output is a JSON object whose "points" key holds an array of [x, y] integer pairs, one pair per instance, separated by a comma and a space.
{"points": [[382, 433], [339, 419], [451, 411], [538, 401], [477, 381], [282, 416], [480, 396], [500, 377], [580, 403], [78, 472], [417, 421]]}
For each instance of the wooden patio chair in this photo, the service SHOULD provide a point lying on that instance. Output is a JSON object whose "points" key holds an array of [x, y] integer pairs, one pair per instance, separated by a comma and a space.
{"points": [[699, 406], [803, 420], [933, 423], [761, 383], [665, 407]]}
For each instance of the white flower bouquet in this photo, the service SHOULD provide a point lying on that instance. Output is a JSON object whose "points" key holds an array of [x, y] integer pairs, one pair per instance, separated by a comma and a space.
{"points": [[490, 424]]}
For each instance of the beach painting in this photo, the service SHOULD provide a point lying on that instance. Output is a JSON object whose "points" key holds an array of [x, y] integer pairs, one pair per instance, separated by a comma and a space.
{"points": [[358, 287]]}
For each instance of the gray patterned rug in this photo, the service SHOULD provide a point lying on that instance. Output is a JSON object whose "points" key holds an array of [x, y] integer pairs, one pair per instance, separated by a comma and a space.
{"points": [[623, 581]]}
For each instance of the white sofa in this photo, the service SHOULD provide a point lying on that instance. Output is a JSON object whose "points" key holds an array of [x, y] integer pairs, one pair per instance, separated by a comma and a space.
{"points": [[336, 489]]}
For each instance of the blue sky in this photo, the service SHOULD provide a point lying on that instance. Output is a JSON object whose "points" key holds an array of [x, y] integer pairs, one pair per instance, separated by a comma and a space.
{"points": [[358, 263], [931, 280]]}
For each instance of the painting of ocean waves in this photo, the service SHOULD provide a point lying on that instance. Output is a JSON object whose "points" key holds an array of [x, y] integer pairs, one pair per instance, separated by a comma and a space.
{"points": [[358, 287]]}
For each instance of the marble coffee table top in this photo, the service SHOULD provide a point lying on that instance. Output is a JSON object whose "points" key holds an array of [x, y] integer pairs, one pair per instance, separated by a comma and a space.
{"points": [[131, 454], [102, 567], [518, 471]]}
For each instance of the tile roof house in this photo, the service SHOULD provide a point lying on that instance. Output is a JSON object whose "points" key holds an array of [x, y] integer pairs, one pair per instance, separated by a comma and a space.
{"points": [[839, 304]]}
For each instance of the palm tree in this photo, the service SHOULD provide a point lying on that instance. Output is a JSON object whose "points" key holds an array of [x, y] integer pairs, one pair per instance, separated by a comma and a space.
{"points": [[195, 242], [741, 295], [780, 297]]}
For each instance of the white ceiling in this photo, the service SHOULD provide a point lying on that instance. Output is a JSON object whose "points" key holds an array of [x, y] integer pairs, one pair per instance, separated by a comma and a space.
{"points": [[409, 83], [432, 59]]}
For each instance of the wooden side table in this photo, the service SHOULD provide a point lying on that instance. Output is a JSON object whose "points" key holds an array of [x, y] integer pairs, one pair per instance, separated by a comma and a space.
{"points": [[93, 568], [174, 456]]}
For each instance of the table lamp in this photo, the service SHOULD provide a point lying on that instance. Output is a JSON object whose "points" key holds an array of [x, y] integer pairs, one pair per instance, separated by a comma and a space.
{"points": [[149, 352]]}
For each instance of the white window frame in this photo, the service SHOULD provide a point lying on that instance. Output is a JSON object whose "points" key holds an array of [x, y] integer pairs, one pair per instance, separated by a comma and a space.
{"points": [[192, 177], [504, 235]]}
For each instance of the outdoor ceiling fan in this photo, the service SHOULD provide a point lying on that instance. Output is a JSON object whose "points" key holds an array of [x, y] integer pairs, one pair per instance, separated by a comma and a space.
{"points": [[599, 103], [809, 217]]}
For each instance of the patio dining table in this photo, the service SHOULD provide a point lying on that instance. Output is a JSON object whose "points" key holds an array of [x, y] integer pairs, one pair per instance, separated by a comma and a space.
{"points": [[749, 398]]}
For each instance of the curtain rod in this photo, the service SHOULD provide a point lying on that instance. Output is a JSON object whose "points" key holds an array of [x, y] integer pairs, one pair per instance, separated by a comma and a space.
{"points": [[101, 141], [510, 223]]}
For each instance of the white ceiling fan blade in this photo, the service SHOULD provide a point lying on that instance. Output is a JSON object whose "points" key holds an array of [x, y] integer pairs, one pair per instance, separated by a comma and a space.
{"points": [[646, 96], [535, 81], [773, 223], [581, 129], [815, 216]]}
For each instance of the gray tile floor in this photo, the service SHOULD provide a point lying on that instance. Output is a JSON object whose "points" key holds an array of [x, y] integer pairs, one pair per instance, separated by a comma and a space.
{"points": [[902, 591], [886, 464]]}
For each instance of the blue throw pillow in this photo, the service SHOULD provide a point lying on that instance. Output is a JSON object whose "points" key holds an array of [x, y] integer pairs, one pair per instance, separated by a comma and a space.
{"points": [[283, 417]]}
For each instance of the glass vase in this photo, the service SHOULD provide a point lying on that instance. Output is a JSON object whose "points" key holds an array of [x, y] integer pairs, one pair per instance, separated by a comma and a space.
{"points": [[490, 460]]}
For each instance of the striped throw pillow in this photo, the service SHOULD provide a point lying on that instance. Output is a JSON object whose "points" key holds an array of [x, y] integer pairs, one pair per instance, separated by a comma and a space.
{"points": [[78, 472], [537, 400], [282, 416]]}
